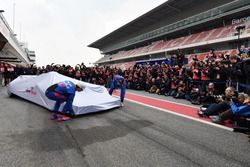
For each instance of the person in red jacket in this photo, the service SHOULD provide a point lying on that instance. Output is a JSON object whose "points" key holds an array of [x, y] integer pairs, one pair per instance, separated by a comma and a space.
{"points": [[1, 73]]}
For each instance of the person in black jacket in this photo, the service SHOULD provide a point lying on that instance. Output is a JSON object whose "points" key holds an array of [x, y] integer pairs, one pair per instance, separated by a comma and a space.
{"points": [[246, 68], [236, 72], [220, 73], [223, 105]]}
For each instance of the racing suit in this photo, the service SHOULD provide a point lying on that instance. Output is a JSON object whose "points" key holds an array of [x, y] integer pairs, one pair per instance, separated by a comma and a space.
{"points": [[118, 81], [62, 92]]}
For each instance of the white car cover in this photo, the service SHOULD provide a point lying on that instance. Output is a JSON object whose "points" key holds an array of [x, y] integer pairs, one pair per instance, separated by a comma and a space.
{"points": [[94, 98]]}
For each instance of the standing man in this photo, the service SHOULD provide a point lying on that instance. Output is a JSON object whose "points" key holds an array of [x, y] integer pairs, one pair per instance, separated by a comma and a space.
{"points": [[64, 92], [118, 81], [1, 73], [246, 70]]}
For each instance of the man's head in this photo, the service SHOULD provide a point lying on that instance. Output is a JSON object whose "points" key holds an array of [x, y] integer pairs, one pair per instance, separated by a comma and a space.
{"points": [[247, 99], [241, 97], [211, 85], [230, 91], [242, 47], [233, 58], [80, 87]]}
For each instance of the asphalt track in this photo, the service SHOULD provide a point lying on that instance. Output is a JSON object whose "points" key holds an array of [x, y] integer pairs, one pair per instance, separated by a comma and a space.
{"points": [[132, 136]]}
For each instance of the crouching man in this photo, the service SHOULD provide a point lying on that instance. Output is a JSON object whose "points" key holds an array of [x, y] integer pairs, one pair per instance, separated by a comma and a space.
{"points": [[118, 81], [64, 92]]}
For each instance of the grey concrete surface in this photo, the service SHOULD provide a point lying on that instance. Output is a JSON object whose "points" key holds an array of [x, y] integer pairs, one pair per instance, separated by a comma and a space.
{"points": [[128, 137]]}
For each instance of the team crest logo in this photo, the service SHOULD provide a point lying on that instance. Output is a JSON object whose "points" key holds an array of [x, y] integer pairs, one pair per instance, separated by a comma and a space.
{"points": [[31, 91]]}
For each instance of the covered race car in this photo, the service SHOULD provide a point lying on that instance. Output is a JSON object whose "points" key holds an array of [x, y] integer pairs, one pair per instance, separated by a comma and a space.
{"points": [[94, 98]]}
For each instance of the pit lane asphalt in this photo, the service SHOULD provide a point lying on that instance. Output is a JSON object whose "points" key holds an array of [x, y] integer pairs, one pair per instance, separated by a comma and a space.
{"points": [[131, 136]]}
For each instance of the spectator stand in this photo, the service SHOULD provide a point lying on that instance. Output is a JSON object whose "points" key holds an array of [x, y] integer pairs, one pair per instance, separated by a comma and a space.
{"points": [[221, 34]]}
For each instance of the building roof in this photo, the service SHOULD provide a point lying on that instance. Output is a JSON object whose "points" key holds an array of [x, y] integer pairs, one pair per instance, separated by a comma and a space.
{"points": [[146, 19], [171, 21]]}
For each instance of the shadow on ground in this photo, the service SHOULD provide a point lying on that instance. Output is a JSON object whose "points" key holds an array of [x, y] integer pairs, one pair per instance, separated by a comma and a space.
{"points": [[62, 137]]}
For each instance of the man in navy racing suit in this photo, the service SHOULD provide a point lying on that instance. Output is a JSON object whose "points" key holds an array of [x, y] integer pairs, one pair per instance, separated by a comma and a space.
{"points": [[118, 81], [64, 92]]}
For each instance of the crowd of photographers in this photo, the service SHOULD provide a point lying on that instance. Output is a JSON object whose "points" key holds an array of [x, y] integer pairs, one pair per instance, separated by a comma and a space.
{"points": [[199, 81]]}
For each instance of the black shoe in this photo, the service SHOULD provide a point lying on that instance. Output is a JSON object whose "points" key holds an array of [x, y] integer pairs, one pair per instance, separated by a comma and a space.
{"points": [[201, 113], [69, 115]]}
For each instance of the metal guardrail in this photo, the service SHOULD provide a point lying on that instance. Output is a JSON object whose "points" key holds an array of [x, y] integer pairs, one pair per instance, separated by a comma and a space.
{"points": [[185, 23]]}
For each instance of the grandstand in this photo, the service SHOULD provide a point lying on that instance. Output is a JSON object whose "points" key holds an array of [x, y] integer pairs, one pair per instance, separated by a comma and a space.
{"points": [[11, 50], [194, 26]]}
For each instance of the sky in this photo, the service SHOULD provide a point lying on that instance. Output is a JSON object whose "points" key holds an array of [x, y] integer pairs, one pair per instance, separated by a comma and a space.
{"points": [[60, 30]]}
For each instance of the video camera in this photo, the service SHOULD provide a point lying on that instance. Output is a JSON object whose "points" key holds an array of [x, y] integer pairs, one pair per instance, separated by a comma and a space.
{"points": [[225, 61], [195, 58]]}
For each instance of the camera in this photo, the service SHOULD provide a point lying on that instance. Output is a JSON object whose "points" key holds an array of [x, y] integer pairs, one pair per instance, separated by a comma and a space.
{"points": [[247, 60], [235, 99], [225, 62], [195, 58]]}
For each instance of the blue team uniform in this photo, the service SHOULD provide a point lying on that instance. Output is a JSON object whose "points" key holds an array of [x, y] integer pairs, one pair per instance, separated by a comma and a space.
{"points": [[62, 92], [240, 110], [118, 81]]}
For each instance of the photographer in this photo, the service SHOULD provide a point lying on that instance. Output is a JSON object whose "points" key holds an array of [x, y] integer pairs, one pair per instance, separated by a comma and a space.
{"points": [[196, 71], [180, 90], [77, 73], [219, 73], [246, 69], [236, 71], [205, 74], [165, 86], [243, 50], [180, 57], [173, 87], [209, 95], [212, 55], [153, 88], [194, 93], [223, 105], [206, 71], [1, 73], [239, 107]]}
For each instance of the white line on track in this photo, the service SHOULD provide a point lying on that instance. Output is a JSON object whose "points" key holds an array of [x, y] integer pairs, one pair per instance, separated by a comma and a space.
{"points": [[182, 115]]}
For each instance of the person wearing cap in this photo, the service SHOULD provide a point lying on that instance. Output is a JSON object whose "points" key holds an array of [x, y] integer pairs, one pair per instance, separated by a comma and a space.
{"points": [[64, 92], [118, 81]]}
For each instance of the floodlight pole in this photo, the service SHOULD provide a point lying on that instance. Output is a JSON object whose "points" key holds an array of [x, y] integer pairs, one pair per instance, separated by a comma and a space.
{"points": [[238, 29], [110, 60], [14, 13], [238, 40]]}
